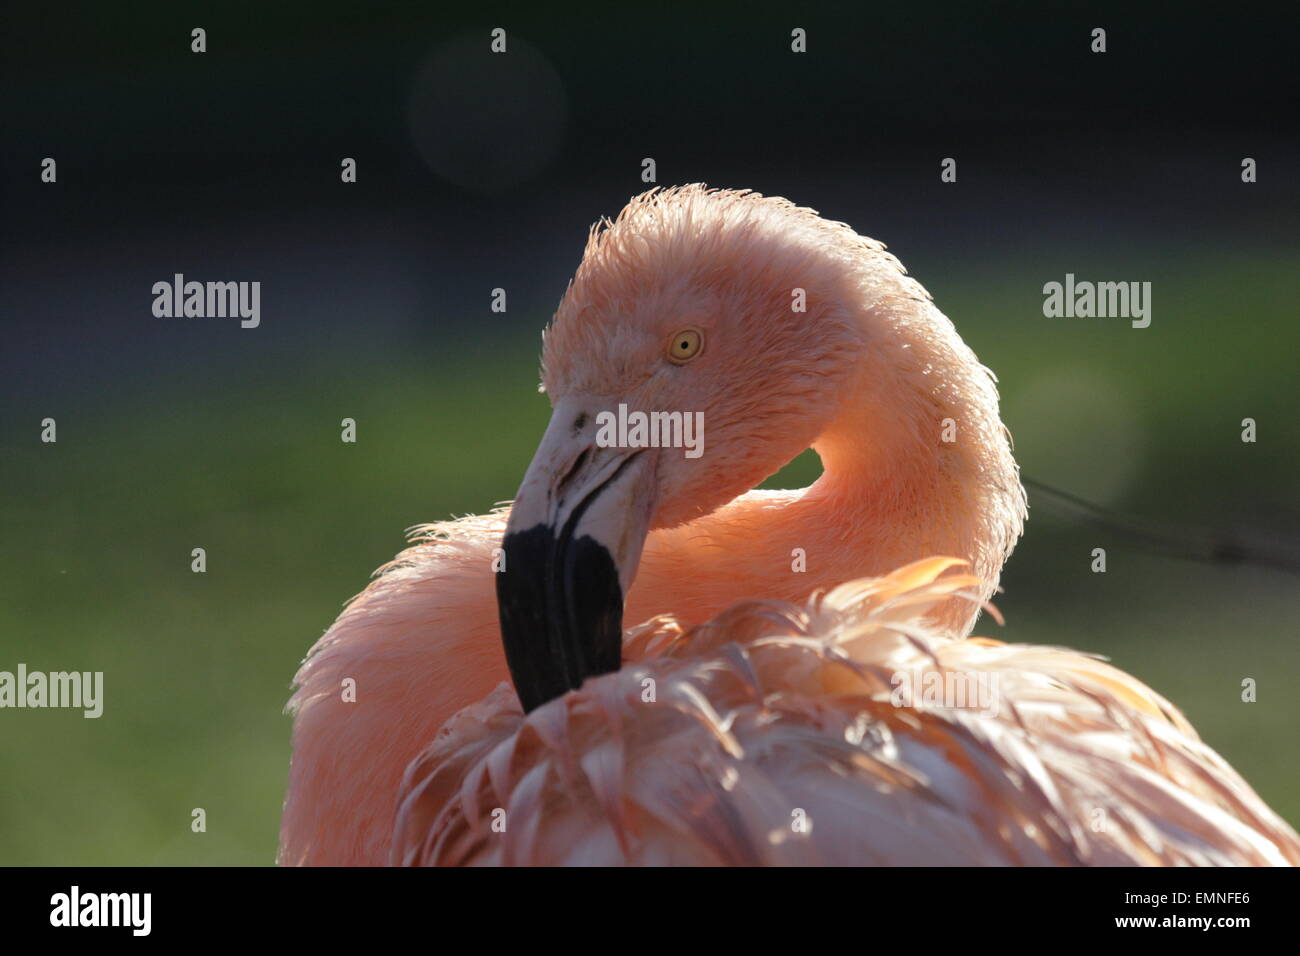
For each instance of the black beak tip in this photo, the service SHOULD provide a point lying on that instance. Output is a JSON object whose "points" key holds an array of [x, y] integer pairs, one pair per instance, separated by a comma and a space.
{"points": [[561, 612]]}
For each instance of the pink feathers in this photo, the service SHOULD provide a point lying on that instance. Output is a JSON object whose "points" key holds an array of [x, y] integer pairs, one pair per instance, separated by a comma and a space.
{"points": [[749, 724]]}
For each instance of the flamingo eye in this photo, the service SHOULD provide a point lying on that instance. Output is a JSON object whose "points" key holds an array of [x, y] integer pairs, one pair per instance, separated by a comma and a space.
{"points": [[685, 345]]}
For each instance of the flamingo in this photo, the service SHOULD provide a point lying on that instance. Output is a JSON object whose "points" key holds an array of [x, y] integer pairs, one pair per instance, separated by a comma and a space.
{"points": [[644, 661]]}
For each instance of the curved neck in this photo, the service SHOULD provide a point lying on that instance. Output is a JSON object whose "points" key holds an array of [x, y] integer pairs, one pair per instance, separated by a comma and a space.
{"points": [[915, 464]]}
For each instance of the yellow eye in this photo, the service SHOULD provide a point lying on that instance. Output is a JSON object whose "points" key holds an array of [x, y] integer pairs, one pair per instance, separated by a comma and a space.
{"points": [[685, 345]]}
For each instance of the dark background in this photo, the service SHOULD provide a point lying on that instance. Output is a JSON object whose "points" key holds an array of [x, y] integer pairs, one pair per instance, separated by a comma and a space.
{"points": [[477, 171]]}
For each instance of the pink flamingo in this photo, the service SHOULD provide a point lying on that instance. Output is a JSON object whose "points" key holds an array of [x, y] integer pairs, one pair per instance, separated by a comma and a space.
{"points": [[737, 720]]}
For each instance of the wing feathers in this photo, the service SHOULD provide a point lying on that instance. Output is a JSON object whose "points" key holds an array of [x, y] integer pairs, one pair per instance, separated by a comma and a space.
{"points": [[772, 735]]}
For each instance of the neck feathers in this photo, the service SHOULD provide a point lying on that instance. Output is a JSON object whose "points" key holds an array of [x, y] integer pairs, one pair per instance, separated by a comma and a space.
{"points": [[919, 445]]}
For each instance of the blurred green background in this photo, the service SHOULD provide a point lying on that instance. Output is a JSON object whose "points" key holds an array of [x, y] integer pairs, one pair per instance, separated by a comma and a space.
{"points": [[477, 172]]}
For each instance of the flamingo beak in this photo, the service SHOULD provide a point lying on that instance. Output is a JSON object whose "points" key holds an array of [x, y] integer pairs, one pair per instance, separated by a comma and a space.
{"points": [[572, 546]]}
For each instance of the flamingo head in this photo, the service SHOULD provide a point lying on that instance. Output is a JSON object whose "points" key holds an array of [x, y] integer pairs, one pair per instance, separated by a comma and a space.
{"points": [[724, 325]]}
